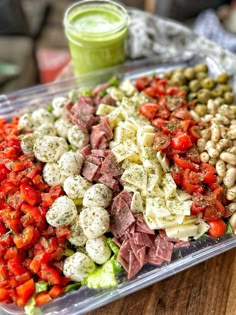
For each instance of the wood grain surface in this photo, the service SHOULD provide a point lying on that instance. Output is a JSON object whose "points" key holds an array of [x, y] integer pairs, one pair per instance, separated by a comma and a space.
{"points": [[208, 288]]}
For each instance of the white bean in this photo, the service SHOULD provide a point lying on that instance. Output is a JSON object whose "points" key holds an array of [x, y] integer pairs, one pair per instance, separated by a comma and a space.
{"points": [[233, 122], [204, 157], [232, 134], [212, 107], [225, 143], [232, 222], [206, 134], [219, 179], [213, 153], [221, 168], [228, 166], [210, 144], [207, 118], [231, 193], [215, 133], [232, 149], [201, 143], [213, 161], [228, 158], [194, 115], [232, 207], [223, 131], [230, 177]]}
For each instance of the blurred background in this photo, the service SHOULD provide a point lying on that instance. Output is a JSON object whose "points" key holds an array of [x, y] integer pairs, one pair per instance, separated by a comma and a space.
{"points": [[33, 47]]}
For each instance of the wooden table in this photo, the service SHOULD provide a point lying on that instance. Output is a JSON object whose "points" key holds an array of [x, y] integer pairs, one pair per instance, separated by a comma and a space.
{"points": [[208, 288]]}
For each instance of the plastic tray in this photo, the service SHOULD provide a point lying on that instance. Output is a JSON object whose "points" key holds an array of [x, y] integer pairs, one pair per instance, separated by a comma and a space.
{"points": [[84, 299]]}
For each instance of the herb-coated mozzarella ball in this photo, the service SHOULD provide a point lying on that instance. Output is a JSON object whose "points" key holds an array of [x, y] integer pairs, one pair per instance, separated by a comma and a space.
{"points": [[27, 144], [78, 266], [62, 126], [49, 148], [46, 129], [77, 234], [77, 137], [52, 174], [98, 195], [62, 212], [58, 106], [25, 122], [94, 221], [70, 163], [98, 250], [76, 186], [41, 116]]}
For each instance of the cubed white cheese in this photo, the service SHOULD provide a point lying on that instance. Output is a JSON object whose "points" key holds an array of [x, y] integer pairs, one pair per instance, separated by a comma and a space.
{"points": [[136, 176], [136, 202]]}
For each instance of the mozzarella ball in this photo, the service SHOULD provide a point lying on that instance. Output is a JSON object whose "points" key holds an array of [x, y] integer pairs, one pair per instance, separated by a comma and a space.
{"points": [[49, 148], [25, 122], [78, 266], [46, 129], [94, 221], [27, 144], [58, 106], [62, 212], [70, 163], [62, 126], [52, 174], [98, 195], [77, 137], [41, 116], [98, 250], [76, 186], [77, 235]]}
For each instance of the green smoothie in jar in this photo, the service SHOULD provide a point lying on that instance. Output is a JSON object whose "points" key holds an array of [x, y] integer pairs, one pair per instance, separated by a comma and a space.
{"points": [[96, 32]]}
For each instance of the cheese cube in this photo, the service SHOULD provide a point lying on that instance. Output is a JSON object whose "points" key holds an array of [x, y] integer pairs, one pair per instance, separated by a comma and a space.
{"points": [[136, 202], [104, 109], [182, 232], [156, 208], [169, 186], [203, 227], [124, 150], [136, 176]]}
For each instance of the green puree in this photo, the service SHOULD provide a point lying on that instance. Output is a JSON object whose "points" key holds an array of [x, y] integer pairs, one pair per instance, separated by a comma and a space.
{"points": [[96, 38]]}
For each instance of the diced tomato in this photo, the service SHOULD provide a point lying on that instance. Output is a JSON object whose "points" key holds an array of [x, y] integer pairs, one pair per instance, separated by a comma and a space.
{"points": [[195, 178], [181, 141], [63, 232], [24, 277], [33, 211], [150, 91], [49, 274], [178, 178], [141, 83], [25, 238], [148, 110], [11, 253], [217, 227], [211, 213], [161, 141], [172, 90], [193, 155], [188, 186], [182, 113], [42, 298], [185, 164], [15, 266], [195, 133], [158, 122], [4, 295], [25, 290], [55, 291], [30, 195]]}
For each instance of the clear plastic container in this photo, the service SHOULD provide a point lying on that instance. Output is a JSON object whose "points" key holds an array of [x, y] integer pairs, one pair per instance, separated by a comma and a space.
{"points": [[84, 299]]}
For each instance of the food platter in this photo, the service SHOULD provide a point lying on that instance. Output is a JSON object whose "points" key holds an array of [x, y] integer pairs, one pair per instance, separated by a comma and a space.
{"points": [[84, 299]]}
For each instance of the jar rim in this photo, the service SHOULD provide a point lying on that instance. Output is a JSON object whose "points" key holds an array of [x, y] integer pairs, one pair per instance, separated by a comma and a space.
{"points": [[123, 13]]}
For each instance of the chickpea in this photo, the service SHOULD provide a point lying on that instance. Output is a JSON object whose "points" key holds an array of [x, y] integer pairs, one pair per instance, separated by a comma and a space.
{"points": [[230, 177], [204, 157]]}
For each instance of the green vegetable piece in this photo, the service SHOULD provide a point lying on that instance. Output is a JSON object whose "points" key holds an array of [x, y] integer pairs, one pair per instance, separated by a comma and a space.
{"points": [[114, 81], [229, 229], [86, 92], [68, 252], [72, 147], [41, 286], [103, 277], [31, 309], [72, 286], [222, 78], [50, 108], [113, 246]]}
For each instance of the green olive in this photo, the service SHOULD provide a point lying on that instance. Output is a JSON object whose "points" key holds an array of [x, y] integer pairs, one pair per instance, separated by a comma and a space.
{"points": [[192, 96], [219, 101], [217, 92], [201, 109], [208, 83], [185, 88], [194, 85], [228, 97], [168, 74], [201, 75], [203, 96], [189, 73], [178, 78], [201, 68], [222, 78], [225, 87]]}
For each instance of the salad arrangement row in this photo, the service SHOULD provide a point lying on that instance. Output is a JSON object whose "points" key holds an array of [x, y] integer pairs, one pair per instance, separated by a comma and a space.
{"points": [[114, 178]]}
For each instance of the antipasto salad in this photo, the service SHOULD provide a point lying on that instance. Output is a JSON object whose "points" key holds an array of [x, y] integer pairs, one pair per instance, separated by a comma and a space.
{"points": [[113, 178]]}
